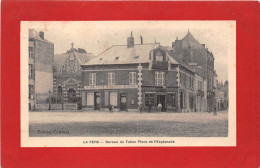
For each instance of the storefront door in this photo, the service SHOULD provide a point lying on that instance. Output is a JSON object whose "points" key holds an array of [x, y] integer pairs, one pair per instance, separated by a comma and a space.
{"points": [[123, 102], [97, 101], [161, 99]]}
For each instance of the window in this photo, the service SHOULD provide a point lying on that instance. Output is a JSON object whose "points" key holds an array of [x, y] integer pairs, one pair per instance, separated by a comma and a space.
{"points": [[111, 78], [171, 100], [132, 78], [149, 97], [30, 91], [159, 78], [30, 71], [30, 52], [113, 98], [90, 98], [181, 79], [159, 57], [92, 79], [59, 90]]}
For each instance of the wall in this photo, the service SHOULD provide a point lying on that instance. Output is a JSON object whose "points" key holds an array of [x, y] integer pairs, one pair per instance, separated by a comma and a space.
{"points": [[44, 56]]}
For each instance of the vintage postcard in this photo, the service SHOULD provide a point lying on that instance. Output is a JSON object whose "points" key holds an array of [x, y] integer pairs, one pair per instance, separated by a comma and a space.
{"points": [[128, 83]]}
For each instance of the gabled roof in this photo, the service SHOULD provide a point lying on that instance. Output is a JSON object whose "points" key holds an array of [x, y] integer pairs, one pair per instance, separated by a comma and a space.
{"points": [[60, 59], [198, 51], [168, 55], [121, 54]]}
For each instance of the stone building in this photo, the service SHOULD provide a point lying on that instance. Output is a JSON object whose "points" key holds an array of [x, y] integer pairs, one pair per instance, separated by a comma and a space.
{"points": [[67, 83], [40, 62], [133, 76], [189, 50]]}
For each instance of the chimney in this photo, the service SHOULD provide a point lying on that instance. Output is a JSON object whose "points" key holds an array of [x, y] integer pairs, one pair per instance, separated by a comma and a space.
{"points": [[130, 41], [141, 37], [173, 44], [203, 45], [41, 33], [178, 46]]}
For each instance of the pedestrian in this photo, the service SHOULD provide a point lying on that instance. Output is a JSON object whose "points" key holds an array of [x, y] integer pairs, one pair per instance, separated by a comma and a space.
{"points": [[149, 106], [159, 107], [112, 108], [215, 111]]}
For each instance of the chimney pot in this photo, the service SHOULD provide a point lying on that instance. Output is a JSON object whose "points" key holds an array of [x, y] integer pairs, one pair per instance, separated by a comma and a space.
{"points": [[130, 41]]}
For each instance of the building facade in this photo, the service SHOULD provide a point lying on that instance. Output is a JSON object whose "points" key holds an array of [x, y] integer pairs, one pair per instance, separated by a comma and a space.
{"points": [[189, 50], [41, 55], [137, 76], [67, 83]]}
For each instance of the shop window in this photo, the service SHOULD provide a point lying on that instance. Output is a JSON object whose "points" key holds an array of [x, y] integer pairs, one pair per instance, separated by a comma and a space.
{"points": [[113, 98], [171, 100], [149, 97], [90, 98]]}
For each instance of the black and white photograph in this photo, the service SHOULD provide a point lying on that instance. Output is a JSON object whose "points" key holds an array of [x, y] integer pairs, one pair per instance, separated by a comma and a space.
{"points": [[128, 83]]}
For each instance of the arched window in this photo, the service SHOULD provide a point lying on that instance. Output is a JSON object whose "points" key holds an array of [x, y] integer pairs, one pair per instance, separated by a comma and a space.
{"points": [[59, 90]]}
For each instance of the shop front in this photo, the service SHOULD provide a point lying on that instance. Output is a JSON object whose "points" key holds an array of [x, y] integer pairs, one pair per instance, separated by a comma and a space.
{"points": [[152, 96]]}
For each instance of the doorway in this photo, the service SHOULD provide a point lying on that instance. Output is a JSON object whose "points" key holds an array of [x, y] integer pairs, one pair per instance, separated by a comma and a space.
{"points": [[72, 96], [123, 102], [161, 99], [97, 101]]}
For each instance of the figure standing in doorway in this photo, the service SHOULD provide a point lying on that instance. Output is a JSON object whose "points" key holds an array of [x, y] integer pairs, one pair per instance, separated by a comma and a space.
{"points": [[159, 107], [150, 106]]}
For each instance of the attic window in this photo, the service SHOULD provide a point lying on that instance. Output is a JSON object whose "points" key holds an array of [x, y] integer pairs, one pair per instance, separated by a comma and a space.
{"points": [[117, 58], [137, 56], [100, 59]]}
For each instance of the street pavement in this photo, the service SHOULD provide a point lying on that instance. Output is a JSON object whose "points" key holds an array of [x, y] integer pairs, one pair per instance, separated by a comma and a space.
{"points": [[96, 123]]}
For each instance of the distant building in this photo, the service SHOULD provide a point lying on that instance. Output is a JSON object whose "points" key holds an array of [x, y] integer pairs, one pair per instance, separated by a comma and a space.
{"points": [[67, 84], [41, 55], [222, 98], [134, 76]]}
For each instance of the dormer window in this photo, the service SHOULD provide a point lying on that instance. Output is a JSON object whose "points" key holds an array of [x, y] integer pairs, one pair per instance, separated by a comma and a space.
{"points": [[117, 58], [159, 57]]}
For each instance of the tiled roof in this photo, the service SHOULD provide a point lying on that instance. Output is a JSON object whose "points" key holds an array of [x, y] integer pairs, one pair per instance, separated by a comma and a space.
{"points": [[121, 54]]}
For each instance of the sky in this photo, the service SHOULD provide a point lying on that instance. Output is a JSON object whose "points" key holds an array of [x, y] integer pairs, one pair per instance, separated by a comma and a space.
{"points": [[97, 36]]}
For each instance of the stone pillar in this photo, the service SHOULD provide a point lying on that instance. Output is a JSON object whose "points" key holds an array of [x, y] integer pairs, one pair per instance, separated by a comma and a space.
{"points": [[139, 80]]}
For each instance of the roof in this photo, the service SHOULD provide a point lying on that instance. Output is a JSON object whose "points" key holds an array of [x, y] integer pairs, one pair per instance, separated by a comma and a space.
{"points": [[60, 59], [179, 61], [121, 54], [33, 34], [198, 51]]}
